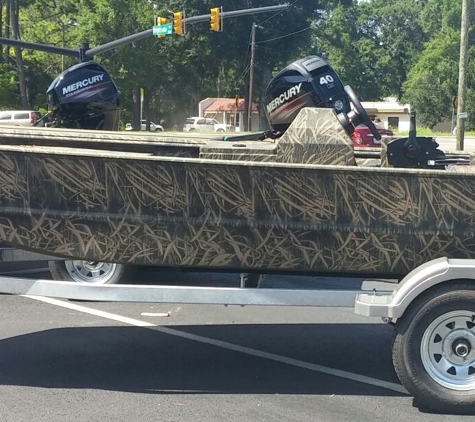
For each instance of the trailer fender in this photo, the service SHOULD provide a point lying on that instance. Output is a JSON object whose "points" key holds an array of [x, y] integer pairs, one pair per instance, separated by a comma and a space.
{"points": [[413, 285]]}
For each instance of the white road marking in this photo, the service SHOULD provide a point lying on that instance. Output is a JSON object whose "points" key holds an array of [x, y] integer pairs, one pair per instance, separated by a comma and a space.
{"points": [[90, 311], [229, 346], [156, 314]]}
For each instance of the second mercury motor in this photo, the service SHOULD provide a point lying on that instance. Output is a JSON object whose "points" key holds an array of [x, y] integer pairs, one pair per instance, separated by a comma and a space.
{"points": [[84, 97]]}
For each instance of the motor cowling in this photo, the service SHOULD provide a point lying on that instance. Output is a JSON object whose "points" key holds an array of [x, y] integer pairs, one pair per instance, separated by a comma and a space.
{"points": [[84, 96], [308, 82]]}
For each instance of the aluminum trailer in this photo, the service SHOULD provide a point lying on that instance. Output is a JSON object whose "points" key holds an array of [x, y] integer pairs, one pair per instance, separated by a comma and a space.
{"points": [[432, 310]]}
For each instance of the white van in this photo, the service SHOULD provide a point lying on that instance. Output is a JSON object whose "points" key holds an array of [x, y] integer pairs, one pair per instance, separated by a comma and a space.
{"points": [[19, 117]]}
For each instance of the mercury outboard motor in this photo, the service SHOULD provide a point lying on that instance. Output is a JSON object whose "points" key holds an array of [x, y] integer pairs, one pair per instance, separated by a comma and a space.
{"points": [[308, 82], [84, 97], [312, 82]]}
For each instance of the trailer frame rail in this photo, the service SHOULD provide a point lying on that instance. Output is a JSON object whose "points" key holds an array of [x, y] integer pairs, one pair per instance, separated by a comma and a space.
{"points": [[180, 294]]}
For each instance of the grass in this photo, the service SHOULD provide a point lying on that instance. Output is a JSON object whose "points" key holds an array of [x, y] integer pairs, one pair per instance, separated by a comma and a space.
{"points": [[424, 131]]}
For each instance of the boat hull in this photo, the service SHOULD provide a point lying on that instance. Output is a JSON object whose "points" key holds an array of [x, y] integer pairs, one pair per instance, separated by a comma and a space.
{"points": [[232, 215]]}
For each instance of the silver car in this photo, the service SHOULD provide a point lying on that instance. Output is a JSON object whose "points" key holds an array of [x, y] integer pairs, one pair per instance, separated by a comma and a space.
{"points": [[19, 117]]}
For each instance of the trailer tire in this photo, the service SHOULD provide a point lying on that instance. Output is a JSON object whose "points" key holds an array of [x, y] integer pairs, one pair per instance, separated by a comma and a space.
{"points": [[434, 349], [87, 272]]}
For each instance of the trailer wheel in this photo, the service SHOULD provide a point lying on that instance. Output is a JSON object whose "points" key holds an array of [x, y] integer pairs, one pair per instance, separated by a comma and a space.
{"points": [[87, 272], [434, 349]]}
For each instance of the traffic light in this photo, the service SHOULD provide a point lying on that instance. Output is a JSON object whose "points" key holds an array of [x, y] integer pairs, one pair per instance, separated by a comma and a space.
{"points": [[160, 21], [178, 24], [216, 19]]}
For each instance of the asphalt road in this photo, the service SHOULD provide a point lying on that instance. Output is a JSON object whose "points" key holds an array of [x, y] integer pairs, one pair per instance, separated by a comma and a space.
{"points": [[66, 361], [448, 143]]}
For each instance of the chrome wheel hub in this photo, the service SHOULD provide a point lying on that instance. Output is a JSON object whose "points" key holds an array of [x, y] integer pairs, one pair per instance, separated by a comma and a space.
{"points": [[448, 350], [90, 271]]}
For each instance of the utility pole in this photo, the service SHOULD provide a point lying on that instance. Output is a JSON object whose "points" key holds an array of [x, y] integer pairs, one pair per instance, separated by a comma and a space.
{"points": [[63, 25], [462, 92], [62, 44], [251, 77]]}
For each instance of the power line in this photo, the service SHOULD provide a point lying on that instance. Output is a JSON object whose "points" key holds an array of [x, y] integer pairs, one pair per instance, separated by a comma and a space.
{"points": [[284, 36], [246, 66], [241, 77], [247, 49], [275, 14]]}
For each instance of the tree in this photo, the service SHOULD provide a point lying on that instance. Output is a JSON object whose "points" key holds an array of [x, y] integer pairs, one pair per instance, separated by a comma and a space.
{"points": [[352, 52], [380, 48], [9, 94], [14, 17], [433, 80], [372, 45]]}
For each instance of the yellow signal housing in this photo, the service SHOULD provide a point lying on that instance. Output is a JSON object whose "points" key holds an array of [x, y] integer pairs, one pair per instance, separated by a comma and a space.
{"points": [[215, 19], [160, 21], [178, 24]]}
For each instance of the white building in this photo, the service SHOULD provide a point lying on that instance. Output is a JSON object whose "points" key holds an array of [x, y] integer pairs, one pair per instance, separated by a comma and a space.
{"points": [[392, 114]]}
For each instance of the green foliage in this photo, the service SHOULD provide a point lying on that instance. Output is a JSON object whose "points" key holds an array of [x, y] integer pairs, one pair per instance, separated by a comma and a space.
{"points": [[433, 80], [9, 95], [373, 44], [178, 72], [405, 48]]}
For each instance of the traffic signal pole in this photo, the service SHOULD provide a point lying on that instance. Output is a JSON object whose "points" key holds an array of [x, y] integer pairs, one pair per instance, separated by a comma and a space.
{"points": [[84, 53], [193, 19], [40, 47]]}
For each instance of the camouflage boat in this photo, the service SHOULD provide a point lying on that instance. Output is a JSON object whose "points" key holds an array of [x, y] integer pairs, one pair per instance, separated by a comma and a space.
{"points": [[300, 203]]}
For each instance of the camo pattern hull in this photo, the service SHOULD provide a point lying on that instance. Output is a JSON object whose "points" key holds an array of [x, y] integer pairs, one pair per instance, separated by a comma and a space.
{"points": [[252, 206], [208, 214]]}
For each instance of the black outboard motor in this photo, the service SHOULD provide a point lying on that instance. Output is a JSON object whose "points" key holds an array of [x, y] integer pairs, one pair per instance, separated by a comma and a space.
{"points": [[84, 97], [308, 82]]}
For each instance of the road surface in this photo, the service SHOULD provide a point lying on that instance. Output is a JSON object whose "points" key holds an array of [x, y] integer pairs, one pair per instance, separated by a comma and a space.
{"points": [[448, 143], [84, 361]]}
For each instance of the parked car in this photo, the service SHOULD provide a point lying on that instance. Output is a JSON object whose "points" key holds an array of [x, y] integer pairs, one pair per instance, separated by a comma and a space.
{"points": [[153, 127], [362, 136], [19, 117], [201, 124]]}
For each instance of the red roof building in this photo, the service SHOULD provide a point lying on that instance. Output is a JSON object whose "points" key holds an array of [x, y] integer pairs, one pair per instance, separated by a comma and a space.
{"points": [[225, 111]]}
